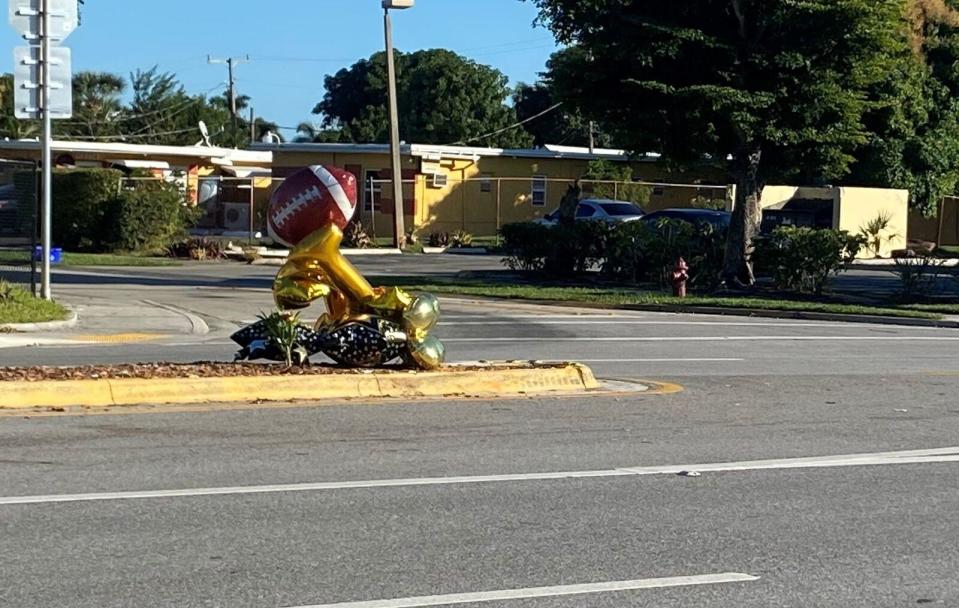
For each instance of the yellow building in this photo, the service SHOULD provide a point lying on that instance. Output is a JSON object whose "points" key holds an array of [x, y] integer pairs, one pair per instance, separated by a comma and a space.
{"points": [[449, 188], [849, 209]]}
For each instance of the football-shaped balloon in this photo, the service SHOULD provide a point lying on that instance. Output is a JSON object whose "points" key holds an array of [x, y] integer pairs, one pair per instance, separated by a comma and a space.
{"points": [[310, 199]]}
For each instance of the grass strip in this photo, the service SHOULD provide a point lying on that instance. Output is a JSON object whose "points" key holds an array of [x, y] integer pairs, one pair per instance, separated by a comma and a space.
{"points": [[22, 257], [17, 305], [611, 296]]}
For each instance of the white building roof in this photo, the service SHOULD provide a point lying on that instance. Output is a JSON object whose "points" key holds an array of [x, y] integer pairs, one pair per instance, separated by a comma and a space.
{"points": [[437, 152], [226, 156]]}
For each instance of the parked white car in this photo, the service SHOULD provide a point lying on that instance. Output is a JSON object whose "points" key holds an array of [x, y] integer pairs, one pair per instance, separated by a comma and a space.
{"points": [[600, 210]]}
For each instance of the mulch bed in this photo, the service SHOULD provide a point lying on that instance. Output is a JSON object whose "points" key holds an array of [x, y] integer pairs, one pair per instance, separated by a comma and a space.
{"points": [[204, 369]]}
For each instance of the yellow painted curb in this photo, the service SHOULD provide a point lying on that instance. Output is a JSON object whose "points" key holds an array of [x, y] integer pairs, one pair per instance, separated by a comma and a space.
{"points": [[493, 382]]}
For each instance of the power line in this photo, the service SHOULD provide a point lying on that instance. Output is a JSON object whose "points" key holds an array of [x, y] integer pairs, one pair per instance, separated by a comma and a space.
{"points": [[274, 58], [509, 128], [125, 137], [144, 114]]}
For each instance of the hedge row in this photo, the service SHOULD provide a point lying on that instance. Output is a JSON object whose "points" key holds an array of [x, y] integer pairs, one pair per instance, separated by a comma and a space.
{"points": [[797, 259], [96, 210], [634, 252]]}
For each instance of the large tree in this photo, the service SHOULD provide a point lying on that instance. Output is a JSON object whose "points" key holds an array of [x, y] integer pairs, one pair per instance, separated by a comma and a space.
{"points": [[96, 105], [443, 98], [914, 123], [536, 106], [773, 89]]}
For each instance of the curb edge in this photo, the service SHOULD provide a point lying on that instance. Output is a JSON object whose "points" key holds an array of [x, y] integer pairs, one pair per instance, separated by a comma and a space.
{"points": [[569, 378], [69, 323]]}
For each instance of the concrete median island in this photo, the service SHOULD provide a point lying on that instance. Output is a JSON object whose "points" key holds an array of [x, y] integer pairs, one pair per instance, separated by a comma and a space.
{"points": [[160, 384]]}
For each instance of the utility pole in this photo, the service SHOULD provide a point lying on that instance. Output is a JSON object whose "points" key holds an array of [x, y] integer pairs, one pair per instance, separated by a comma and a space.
{"points": [[252, 125], [592, 137], [399, 221], [231, 62]]}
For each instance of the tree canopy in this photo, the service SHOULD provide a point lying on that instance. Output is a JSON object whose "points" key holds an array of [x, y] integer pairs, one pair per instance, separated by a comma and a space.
{"points": [[563, 125], [443, 99], [914, 122], [772, 89], [159, 111]]}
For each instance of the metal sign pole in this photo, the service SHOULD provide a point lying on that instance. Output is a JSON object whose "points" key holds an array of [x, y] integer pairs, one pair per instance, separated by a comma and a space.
{"points": [[47, 206]]}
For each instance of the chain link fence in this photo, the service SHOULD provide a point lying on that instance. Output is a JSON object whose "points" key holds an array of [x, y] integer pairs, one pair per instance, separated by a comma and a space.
{"points": [[19, 222], [237, 206]]}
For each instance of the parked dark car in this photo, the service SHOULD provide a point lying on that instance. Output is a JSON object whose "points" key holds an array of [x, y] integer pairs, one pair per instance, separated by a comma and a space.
{"points": [[719, 220]]}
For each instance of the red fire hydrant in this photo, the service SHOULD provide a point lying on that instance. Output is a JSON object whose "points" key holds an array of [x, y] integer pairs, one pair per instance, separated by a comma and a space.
{"points": [[678, 277]]}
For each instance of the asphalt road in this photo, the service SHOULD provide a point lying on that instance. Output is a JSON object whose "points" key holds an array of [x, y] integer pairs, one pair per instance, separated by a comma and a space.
{"points": [[297, 505]]}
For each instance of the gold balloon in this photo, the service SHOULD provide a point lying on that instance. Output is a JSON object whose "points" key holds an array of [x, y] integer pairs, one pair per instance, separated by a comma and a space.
{"points": [[422, 314], [317, 269], [429, 353]]}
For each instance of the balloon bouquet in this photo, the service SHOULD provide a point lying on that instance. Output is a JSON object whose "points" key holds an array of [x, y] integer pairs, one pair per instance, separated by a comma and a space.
{"points": [[363, 326]]}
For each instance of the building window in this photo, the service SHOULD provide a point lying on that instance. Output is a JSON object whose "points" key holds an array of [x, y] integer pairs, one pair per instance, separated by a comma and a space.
{"points": [[539, 191]]}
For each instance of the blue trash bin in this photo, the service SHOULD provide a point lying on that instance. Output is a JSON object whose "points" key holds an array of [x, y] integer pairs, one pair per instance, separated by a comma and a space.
{"points": [[56, 254]]}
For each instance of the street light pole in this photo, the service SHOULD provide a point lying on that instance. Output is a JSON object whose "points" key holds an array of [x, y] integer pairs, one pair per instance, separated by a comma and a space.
{"points": [[399, 223]]}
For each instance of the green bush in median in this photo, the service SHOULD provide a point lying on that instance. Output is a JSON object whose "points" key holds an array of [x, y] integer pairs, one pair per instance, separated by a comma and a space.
{"points": [[804, 259], [638, 252], [559, 250]]}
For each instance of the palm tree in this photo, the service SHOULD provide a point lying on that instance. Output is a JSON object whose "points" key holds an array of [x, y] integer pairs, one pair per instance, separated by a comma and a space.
{"points": [[96, 104]]}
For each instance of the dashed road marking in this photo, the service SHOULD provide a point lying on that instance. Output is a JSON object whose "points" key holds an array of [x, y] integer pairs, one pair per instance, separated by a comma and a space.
{"points": [[555, 591]]}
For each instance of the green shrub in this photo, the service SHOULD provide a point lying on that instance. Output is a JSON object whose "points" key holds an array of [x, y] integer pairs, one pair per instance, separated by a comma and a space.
{"points": [[803, 259], [638, 252], [82, 207], [460, 238], [628, 252], [575, 247], [356, 236], [559, 250], [526, 245], [438, 239], [148, 217], [918, 276], [199, 249]]}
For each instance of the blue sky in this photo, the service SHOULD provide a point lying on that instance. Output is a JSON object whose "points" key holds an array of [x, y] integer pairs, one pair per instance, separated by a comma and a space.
{"points": [[293, 43]]}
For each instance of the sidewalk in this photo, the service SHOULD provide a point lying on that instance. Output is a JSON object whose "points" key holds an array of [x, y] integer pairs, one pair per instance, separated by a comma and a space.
{"points": [[110, 313]]}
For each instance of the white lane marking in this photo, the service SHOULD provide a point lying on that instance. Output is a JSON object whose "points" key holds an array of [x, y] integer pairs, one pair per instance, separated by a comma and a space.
{"points": [[533, 592], [713, 339], [950, 454], [703, 360], [621, 321]]}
